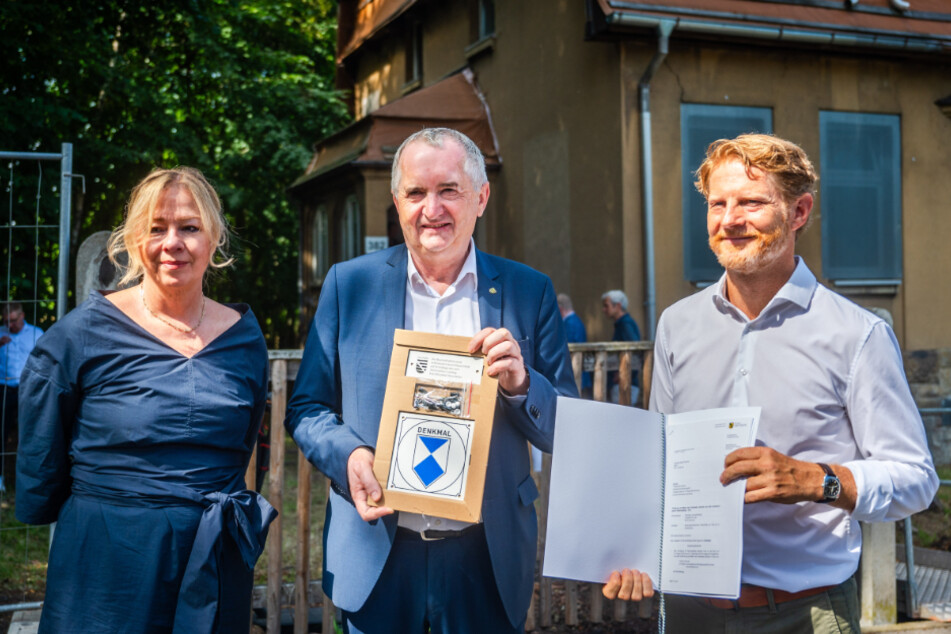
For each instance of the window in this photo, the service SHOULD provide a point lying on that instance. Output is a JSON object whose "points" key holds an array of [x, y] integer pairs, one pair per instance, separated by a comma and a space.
{"points": [[700, 125], [320, 245], [860, 181], [350, 229], [481, 27], [486, 18], [414, 55]]}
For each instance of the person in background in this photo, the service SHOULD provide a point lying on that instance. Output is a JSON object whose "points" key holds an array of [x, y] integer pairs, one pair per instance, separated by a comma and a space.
{"points": [[576, 333], [840, 439], [140, 410], [17, 338], [614, 305]]}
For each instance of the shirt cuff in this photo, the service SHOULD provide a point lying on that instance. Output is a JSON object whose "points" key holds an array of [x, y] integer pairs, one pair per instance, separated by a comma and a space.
{"points": [[874, 490], [514, 400]]}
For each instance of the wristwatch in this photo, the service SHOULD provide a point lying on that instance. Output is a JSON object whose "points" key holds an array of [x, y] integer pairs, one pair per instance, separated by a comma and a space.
{"points": [[831, 487]]}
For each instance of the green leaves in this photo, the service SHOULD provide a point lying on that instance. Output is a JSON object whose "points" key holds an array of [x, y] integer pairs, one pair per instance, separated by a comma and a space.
{"points": [[238, 89]]}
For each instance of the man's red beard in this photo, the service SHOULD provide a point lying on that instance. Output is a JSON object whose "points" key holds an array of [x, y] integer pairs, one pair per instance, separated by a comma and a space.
{"points": [[763, 250]]}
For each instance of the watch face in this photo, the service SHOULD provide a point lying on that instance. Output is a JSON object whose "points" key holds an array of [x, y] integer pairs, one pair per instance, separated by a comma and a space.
{"points": [[831, 489]]}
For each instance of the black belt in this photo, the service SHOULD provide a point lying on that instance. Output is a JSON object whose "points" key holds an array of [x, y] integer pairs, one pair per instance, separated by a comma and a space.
{"points": [[430, 535]]}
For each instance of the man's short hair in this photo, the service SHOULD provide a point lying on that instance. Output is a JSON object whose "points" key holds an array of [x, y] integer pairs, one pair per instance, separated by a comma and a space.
{"points": [[787, 162], [616, 297], [474, 164], [11, 308], [564, 302]]}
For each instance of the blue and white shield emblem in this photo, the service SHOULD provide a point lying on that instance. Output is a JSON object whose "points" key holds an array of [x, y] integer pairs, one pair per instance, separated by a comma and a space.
{"points": [[430, 457]]}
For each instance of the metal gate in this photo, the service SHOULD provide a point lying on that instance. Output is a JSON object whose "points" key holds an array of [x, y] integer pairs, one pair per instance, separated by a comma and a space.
{"points": [[35, 244]]}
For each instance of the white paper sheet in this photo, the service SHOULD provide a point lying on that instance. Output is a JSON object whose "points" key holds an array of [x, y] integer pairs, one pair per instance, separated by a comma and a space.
{"points": [[605, 508]]}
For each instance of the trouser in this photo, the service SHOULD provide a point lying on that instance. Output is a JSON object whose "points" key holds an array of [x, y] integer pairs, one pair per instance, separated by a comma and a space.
{"points": [[831, 612], [443, 587]]}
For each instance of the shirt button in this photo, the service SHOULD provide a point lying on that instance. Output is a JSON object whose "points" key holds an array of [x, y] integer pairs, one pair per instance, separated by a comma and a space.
{"points": [[743, 371], [438, 522]]}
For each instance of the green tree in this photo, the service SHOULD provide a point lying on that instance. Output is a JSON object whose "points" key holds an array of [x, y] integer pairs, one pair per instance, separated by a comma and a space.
{"points": [[237, 88]]}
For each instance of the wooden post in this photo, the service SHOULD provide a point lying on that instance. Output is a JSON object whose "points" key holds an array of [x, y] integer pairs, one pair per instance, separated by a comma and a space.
{"points": [[577, 365], [276, 493], [251, 474], [329, 609], [571, 602], [647, 374], [624, 378], [544, 586], [302, 580], [596, 599]]}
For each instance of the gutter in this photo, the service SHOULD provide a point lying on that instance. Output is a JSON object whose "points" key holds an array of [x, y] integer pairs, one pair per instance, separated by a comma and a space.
{"points": [[864, 38], [664, 29]]}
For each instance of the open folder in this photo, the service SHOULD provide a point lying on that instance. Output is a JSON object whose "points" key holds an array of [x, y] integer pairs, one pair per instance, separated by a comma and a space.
{"points": [[637, 489]]}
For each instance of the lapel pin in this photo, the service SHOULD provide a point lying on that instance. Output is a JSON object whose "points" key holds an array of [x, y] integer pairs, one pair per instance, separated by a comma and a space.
{"points": [[492, 290]]}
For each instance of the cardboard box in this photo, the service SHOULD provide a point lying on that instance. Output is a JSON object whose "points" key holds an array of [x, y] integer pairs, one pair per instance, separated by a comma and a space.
{"points": [[433, 444]]}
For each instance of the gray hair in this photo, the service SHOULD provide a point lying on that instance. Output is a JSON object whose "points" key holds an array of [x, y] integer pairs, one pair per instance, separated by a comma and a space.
{"points": [[474, 164], [564, 302], [616, 297]]}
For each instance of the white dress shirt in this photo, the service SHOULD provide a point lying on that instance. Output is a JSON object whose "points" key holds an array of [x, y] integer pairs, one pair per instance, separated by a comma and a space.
{"points": [[13, 355], [455, 312], [829, 377]]}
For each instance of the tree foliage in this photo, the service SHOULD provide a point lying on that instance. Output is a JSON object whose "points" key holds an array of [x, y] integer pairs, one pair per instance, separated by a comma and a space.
{"points": [[237, 88]]}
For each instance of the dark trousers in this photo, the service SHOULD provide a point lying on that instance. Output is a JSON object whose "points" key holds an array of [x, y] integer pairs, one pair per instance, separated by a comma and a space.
{"points": [[8, 434], [443, 587]]}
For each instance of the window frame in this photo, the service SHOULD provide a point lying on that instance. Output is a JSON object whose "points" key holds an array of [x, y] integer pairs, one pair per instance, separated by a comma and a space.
{"points": [[700, 265]]}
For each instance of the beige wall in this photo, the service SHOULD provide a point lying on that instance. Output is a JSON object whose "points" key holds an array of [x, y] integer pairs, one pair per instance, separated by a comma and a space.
{"points": [[797, 86], [567, 199]]}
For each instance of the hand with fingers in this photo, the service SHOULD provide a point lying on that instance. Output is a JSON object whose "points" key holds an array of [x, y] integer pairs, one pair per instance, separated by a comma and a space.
{"points": [[775, 477], [628, 585], [503, 357], [363, 485]]}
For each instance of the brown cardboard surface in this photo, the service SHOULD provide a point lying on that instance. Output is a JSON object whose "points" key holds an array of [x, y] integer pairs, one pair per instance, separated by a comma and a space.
{"points": [[405, 429]]}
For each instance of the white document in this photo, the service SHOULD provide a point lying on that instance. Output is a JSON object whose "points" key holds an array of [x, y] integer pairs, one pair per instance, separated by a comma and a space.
{"points": [[635, 489]]}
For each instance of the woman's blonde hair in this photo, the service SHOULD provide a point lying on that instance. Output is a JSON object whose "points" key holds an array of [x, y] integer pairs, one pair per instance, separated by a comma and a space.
{"points": [[129, 236]]}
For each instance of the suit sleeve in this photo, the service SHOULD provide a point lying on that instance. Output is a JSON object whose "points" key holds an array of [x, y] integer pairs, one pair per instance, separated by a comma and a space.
{"points": [[314, 411], [550, 375], [49, 396]]}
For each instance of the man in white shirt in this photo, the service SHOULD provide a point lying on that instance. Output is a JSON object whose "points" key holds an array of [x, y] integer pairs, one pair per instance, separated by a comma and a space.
{"points": [[406, 572], [17, 339], [840, 439]]}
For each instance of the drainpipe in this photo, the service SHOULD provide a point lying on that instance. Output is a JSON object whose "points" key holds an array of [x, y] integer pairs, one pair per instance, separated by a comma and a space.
{"points": [[664, 29]]}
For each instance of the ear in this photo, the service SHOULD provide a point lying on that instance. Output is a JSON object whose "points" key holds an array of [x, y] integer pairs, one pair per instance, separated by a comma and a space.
{"points": [[483, 198], [800, 211]]}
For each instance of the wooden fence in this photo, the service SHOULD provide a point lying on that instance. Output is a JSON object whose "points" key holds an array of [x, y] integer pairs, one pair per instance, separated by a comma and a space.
{"points": [[597, 358]]}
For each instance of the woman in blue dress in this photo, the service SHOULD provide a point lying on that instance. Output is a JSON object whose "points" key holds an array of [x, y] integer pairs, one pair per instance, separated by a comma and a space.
{"points": [[139, 412]]}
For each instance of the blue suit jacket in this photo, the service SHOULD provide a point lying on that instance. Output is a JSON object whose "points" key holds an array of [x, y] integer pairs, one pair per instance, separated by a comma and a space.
{"points": [[338, 400]]}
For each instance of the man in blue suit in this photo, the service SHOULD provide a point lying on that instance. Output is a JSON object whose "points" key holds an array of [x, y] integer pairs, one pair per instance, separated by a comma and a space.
{"points": [[403, 572]]}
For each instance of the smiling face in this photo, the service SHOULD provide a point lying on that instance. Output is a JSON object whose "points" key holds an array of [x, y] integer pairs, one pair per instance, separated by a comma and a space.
{"points": [[177, 251], [751, 226], [436, 202]]}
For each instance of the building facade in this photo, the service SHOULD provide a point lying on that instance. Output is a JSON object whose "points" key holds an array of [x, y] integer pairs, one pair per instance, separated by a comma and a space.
{"points": [[593, 114]]}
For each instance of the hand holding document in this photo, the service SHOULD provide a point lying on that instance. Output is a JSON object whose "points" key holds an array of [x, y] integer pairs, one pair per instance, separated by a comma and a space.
{"points": [[636, 489]]}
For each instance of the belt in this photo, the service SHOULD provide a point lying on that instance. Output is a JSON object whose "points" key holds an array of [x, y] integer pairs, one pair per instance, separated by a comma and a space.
{"points": [[758, 596], [430, 535]]}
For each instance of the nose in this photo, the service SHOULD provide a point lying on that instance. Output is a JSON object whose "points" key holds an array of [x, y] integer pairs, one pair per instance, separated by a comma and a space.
{"points": [[172, 240], [732, 215]]}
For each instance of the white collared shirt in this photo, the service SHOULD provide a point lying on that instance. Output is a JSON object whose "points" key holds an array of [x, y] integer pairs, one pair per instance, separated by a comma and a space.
{"points": [[455, 312], [829, 377]]}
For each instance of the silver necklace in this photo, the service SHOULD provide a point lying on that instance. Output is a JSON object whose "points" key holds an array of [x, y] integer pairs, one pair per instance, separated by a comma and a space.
{"points": [[167, 322]]}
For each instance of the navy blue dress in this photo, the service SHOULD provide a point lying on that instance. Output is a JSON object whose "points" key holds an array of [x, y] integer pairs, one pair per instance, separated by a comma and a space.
{"points": [[139, 454]]}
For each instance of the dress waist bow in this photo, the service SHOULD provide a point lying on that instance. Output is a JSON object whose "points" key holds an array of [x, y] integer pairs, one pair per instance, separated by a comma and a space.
{"points": [[234, 519]]}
